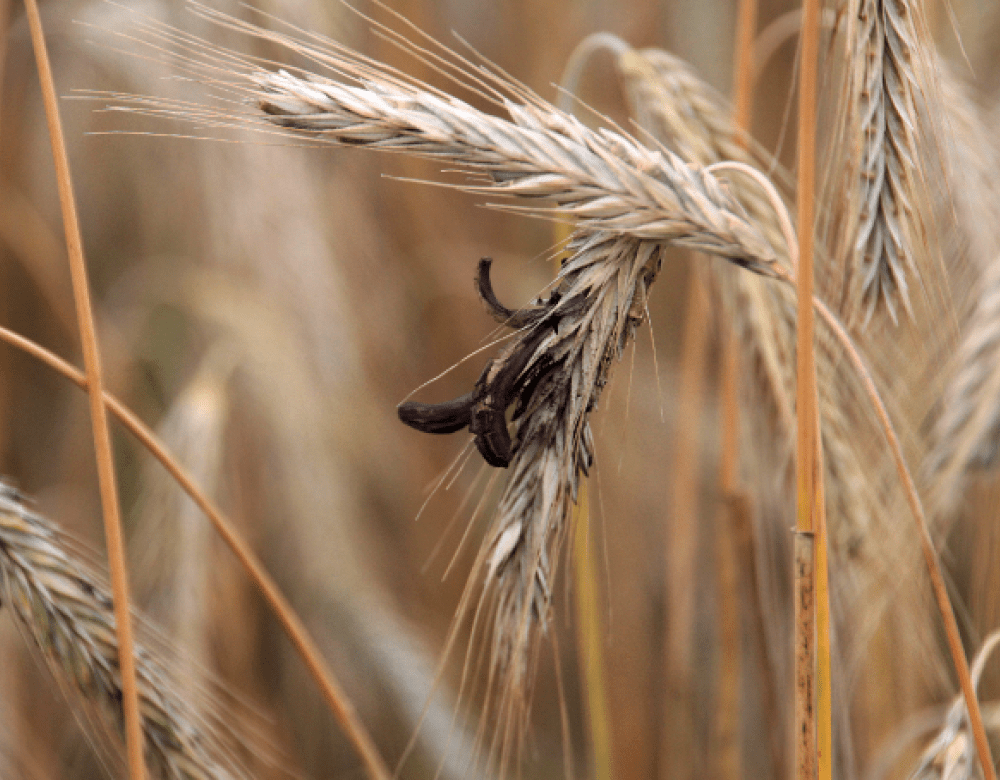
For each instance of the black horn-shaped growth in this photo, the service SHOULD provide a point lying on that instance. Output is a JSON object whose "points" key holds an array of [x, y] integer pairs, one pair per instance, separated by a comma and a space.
{"points": [[509, 378]]}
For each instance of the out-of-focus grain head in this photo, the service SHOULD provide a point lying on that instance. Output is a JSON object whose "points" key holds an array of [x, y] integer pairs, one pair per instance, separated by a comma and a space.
{"points": [[65, 612]]}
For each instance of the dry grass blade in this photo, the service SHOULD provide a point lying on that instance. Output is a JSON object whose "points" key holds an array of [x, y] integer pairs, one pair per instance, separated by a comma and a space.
{"points": [[66, 612], [812, 659]]}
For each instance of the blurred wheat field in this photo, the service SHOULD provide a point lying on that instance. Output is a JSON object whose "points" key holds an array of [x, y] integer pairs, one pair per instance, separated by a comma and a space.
{"points": [[265, 305]]}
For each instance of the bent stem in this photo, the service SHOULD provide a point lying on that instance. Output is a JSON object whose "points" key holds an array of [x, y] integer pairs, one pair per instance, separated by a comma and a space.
{"points": [[590, 631], [98, 414], [591, 638], [330, 688]]}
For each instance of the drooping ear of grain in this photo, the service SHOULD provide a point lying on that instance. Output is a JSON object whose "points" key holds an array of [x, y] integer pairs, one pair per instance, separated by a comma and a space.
{"points": [[627, 201], [907, 300]]}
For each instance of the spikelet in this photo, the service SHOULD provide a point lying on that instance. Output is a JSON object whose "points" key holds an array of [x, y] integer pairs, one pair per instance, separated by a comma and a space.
{"points": [[882, 218], [602, 179]]}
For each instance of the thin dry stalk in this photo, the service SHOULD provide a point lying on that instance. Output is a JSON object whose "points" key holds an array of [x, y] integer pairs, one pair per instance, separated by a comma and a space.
{"points": [[746, 26], [330, 688], [808, 446], [66, 612], [98, 415], [813, 715], [591, 639]]}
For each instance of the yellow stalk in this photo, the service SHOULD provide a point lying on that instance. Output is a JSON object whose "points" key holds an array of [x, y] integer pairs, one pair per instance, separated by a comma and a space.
{"points": [[98, 414], [809, 476], [590, 638]]}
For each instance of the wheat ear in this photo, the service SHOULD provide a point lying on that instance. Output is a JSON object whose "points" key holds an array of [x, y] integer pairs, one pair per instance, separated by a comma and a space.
{"points": [[885, 103], [66, 613], [603, 179], [627, 200]]}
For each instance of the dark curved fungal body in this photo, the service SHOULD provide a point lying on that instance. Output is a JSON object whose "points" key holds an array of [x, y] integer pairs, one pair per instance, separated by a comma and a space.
{"points": [[509, 379]]}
